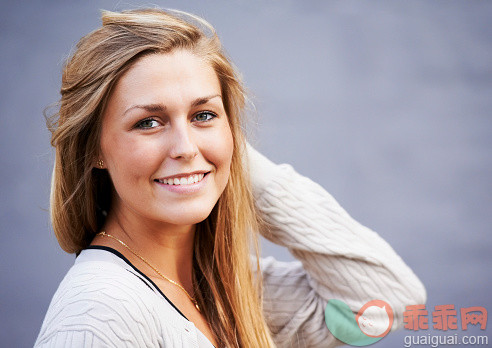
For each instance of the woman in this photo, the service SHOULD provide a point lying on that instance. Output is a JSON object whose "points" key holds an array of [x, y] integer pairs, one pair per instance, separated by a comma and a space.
{"points": [[151, 190]]}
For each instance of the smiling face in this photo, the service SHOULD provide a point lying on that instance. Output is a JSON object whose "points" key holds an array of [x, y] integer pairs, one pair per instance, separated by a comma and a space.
{"points": [[166, 140]]}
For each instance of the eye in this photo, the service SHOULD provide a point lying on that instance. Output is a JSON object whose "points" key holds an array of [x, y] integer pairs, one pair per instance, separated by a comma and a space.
{"points": [[204, 116], [147, 123]]}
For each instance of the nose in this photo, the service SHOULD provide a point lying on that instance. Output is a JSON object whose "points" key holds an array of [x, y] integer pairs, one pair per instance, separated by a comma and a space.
{"points": [[183, 143]]}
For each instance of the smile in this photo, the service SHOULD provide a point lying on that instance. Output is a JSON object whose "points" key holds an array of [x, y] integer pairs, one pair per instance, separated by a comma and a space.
{"points": [[186, 180]]}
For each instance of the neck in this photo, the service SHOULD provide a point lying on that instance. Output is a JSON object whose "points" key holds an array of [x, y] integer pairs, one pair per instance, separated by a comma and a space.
{"points": [[167, 247]]}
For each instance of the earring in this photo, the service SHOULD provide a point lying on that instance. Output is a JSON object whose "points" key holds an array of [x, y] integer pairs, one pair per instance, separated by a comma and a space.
{"points": [[100, 163]]}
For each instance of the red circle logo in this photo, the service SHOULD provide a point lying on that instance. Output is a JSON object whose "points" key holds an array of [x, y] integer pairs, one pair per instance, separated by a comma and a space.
{"points": [[375, 318]]}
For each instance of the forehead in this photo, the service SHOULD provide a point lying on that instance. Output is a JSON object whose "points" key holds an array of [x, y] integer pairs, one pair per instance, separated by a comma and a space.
{"points": [[167, 78]]}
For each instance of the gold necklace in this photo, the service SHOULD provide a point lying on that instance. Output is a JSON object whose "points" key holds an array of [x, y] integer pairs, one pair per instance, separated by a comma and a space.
{"points": [[102, 233]]}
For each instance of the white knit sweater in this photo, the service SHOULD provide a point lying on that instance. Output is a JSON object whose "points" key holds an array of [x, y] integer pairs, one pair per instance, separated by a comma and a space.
{"points": [[105, 302]]}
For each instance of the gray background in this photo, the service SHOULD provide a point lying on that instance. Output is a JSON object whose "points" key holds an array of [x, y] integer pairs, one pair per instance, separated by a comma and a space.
{"points": [[387, 104]]}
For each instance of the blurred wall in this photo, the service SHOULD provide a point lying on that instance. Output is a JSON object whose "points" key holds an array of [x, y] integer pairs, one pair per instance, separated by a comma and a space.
{"points": [[386, 104]]}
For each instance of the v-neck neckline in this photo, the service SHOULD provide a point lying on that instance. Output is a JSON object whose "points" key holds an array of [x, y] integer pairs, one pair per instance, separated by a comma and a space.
{"points": [[121, 256]]}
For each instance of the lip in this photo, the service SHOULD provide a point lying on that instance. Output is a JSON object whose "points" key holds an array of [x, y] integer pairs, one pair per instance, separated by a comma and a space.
{"points": [[186, 189]]}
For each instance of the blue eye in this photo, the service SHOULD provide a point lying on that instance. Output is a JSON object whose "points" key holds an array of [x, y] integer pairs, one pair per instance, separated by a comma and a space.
{"points": [[147, 123], [204, 116]]}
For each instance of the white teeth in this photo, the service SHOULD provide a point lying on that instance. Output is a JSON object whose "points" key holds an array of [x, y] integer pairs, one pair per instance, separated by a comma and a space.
{"points": [[183, 181]]}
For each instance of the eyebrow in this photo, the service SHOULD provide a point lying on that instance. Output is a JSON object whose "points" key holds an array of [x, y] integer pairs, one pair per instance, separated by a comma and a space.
{"points": [[161, 107]]}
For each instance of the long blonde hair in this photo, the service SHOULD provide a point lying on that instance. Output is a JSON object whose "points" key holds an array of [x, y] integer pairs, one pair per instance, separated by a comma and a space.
{"points": [[81, 195]]}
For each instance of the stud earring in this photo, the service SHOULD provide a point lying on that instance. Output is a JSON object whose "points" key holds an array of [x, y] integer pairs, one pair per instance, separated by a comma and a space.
{"points": [[100, 163]]}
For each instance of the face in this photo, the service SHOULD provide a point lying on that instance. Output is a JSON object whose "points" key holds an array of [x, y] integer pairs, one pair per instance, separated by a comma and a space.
{"points": [[166, 140]]}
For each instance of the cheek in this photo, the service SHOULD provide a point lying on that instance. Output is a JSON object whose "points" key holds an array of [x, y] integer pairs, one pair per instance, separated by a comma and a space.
{"points": [[127, 159], [223, 146], [217, 148]]}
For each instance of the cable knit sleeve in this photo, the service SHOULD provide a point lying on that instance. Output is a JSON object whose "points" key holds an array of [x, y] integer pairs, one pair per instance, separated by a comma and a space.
{"points": [[339, 258]]}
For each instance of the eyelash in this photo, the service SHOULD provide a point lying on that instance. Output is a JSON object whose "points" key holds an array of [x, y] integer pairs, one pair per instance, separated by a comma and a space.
{"points": [[206, 113], [139, 124]]}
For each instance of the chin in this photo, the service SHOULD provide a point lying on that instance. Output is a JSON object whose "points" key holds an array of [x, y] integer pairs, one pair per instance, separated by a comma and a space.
{"points": [[187, 216], [190, 219]]}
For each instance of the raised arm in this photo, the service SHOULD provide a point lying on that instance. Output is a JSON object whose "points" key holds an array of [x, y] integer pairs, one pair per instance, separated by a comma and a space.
{"points": [[339, 258]]}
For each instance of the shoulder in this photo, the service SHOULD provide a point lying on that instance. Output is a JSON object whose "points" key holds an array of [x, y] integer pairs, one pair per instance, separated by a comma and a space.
{"points": [[105, 299], [102, 281]]}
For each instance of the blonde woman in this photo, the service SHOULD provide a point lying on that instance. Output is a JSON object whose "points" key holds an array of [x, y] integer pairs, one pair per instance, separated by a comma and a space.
{"points": [[151, 190]]}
